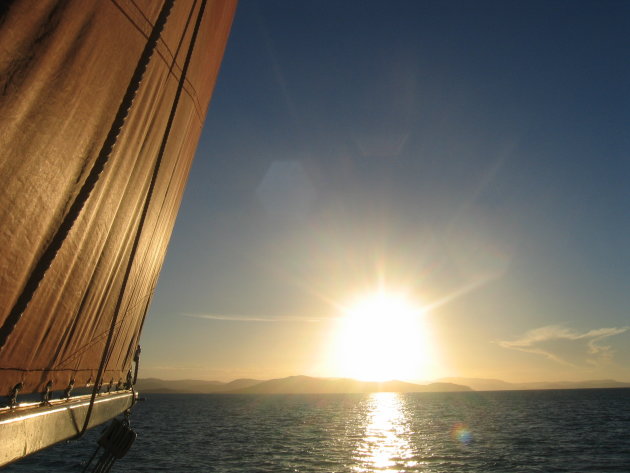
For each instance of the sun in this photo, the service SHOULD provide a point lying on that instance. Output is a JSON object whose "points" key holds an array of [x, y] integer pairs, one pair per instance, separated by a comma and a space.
{"points": [[383, 336]]}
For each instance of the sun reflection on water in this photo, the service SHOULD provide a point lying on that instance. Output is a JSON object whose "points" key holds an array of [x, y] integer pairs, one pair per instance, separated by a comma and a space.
{"points": [[385, 445]]}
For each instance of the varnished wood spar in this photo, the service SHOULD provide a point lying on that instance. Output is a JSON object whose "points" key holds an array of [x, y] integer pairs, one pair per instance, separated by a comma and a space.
{"points": [[32, 427]]}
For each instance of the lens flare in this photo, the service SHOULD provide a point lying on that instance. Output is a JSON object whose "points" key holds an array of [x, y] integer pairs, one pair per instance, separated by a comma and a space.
{"points": [[461, 433]]}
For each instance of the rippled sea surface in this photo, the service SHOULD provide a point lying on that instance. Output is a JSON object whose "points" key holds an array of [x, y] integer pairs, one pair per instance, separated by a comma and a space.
{"points": [[516, 431]]}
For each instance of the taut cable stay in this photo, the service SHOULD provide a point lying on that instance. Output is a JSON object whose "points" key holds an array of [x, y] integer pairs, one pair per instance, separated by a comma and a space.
{"points": [[145, 210]]}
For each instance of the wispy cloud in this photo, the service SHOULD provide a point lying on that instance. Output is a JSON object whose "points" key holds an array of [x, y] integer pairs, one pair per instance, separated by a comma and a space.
{"points": [[247, 318], [566, 346]]}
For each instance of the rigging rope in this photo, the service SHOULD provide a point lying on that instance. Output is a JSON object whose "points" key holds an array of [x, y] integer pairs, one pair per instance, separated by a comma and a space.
{"points": [[134, 346], [51, 251], [134, 84], [116, 441], [145, 210]]}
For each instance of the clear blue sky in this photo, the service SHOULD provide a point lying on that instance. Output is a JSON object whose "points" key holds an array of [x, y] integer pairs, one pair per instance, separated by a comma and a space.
{"points": [[475, 155]]}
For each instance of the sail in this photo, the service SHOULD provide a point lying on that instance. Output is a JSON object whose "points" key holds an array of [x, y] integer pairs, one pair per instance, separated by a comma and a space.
{"points": [[84, 231]]}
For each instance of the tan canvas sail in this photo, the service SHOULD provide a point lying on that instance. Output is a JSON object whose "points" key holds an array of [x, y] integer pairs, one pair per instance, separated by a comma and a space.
{"points": [[83, 232]]}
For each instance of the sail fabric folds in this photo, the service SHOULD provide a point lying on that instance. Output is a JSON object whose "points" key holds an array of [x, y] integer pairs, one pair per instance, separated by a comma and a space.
{"points": [[64, 69]]}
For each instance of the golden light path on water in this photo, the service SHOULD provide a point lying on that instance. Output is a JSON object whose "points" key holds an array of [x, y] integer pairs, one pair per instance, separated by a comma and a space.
{"points": [[385, 444]]}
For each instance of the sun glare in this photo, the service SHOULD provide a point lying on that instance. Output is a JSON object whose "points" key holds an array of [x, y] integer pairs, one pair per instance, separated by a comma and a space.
{"points": [[381, 337]]}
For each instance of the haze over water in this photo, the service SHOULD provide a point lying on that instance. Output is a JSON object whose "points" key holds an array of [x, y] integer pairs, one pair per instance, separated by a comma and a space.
{"points": [[474, 432]]}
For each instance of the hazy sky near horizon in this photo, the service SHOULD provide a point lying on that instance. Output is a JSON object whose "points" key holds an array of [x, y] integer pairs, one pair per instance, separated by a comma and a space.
{"points": [[474, 156]]}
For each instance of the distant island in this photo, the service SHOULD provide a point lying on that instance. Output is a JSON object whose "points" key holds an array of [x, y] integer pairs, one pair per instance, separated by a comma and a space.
{"points": [[312, 385], [291, 385], [482, 384]]}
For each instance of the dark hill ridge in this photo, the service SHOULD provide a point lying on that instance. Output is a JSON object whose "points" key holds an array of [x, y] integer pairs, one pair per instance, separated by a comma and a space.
{"points": [[481, 384], [310, 385], [155, 385], [240, 384], [290, 385]]}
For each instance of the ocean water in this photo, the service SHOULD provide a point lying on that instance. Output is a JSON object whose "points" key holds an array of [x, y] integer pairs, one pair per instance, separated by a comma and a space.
{"points": [[516, 431]]}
